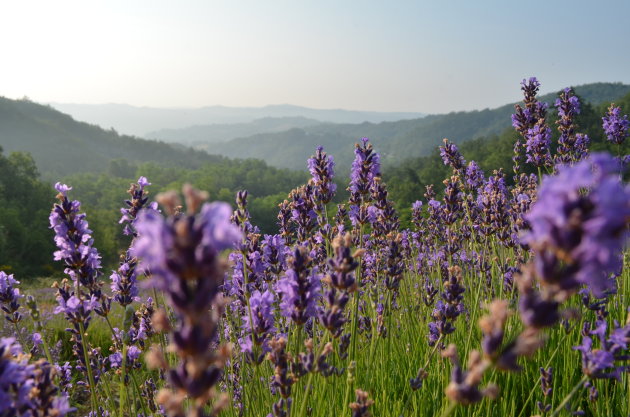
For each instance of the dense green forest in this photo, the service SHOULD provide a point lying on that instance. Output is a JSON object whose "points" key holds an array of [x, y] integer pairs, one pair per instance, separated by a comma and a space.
{"points": [[26, 244], [100, 165], [25, 202]]}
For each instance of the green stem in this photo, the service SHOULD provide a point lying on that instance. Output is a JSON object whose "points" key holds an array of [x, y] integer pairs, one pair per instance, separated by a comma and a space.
{"points": [[137, 389], [47, 351], [122, 389], [88, 365], [569, 395], [355, 315], [447, 412]]}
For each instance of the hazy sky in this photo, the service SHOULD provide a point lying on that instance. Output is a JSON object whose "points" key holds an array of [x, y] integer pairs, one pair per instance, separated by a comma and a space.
{"points": [[425, 56]]}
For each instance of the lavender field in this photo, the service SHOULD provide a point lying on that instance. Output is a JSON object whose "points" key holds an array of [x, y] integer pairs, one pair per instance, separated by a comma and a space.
{"points": [[507, 296]]}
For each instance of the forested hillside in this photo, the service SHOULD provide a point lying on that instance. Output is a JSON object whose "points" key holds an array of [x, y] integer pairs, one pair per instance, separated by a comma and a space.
{"points": [[100, 165], [60, 145], [396, 141], [408, 179]]}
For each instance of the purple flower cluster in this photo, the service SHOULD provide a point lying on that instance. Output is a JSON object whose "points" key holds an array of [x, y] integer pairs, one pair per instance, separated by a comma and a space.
{"points": [[448, 309], [524, 120], [615, 126], [604, 362], [321, 167], [124, 286], [28, 389], [138, 201], [10, 298], [182, 253], [365, 168], [577, 236], [74, 242], [450, 156], [572, 147], [262, 316], [537, 143], [299, 288]]}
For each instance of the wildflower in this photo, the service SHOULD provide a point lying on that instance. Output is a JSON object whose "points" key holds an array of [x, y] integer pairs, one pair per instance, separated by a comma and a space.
{"points": [[299, 288], [362, 404], [10, 297], [615, 126], [260, 325], [578, 225], [365, 167], [601, 363], [182, 252], [474, 175], [450, 156], [464, 385], [74, 242], [321, 167], [537, 142], [138, 201], [571, 146]]}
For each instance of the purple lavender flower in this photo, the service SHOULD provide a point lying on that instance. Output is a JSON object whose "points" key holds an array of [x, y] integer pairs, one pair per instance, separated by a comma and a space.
{"points": [[525, 118], [160, 248], [124, 285], [577, 237], [28, 389], [601, 363], [262, 315], [241, 217], [74, 242], [365, 167], [449, 308], [615, 126], [342, 282], [137, 202], [474, 175], [274, 253], [321, 167], [303, 210], [451, 156], [568, 105], [537, 142], [572, 147], [10, 298], [299, 288], [182, 252]]}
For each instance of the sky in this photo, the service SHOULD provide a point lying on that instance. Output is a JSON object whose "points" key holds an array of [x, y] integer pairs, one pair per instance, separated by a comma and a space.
{"points": [[418, 56]]}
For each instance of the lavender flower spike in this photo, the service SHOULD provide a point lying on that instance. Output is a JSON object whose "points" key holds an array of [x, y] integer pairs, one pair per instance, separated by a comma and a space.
{"points": [[615, 126], [182, 252], [9, 297], [578, 236], [74, 242], [321, 167]]}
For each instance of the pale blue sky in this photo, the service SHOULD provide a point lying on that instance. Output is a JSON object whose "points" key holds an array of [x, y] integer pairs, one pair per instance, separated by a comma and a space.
{"points": [[425, 56]]}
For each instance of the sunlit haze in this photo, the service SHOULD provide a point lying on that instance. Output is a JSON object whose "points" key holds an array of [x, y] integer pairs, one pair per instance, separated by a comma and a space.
{"points": [[426, 57]]}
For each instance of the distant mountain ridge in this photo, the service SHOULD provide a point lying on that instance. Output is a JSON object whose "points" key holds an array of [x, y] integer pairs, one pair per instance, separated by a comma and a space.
{"points": [[60, 145], [222, 132], [141, 120], [395, 141]]}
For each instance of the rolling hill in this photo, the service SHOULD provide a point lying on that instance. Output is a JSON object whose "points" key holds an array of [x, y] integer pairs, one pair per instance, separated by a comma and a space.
{"points": [[396, 141]]}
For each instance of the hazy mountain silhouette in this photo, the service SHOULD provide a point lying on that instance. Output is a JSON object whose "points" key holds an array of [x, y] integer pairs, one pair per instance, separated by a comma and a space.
{"points": [[141, 120], [395, 141]]}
